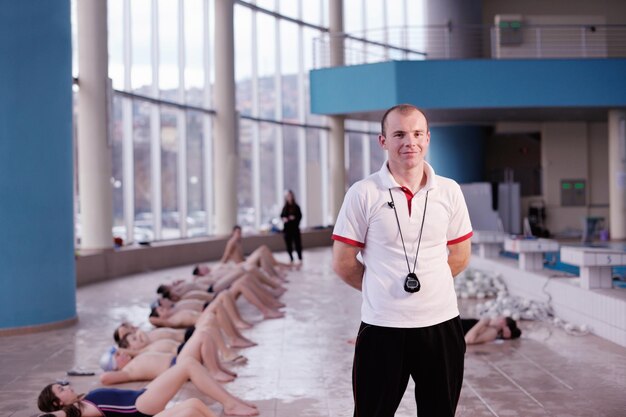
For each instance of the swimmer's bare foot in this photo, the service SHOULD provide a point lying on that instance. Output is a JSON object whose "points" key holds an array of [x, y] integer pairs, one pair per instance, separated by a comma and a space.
{"points": [[227, 371], [242, 342], [273, 314], [220, 376], [243, 325], [275, 304], [235, 359], [240, 409], [278, 291]]}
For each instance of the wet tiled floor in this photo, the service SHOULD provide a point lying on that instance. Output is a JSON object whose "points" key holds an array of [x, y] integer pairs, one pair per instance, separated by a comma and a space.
{"points": [[302, 364]]}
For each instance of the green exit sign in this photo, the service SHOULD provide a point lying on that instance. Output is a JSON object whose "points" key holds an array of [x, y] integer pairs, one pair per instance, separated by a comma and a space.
{"points": [[510, 32], [573, 192], [513, 24]]}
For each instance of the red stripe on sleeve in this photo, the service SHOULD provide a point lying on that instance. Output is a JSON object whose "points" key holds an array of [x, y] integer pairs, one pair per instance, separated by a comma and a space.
{"points": [[460, 239], [348, 241]]}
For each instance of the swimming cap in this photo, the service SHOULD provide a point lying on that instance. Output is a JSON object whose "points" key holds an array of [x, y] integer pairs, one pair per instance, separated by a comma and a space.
{"points": [[107, 360]]}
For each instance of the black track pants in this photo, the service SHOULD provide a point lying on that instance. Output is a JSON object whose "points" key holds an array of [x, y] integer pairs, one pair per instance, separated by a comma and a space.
{"points": [[385, 357]]}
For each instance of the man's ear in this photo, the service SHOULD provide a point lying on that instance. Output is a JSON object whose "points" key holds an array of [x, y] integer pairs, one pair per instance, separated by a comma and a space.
{"points": [[382, 141]]}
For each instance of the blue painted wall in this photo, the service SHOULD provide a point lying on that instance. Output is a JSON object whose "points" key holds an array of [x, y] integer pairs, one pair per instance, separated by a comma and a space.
{"points": [[462, 84], [457, 152], [36, 164]]}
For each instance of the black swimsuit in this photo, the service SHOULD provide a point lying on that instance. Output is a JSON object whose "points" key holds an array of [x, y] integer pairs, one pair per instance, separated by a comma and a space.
{"points": [[112, 402]]}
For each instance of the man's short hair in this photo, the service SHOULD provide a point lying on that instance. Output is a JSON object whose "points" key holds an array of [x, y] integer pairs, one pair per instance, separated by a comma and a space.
{"points": [[402, 108], [196, 271], [116, 334], [512, 325], [123, 342], [164, 291]]}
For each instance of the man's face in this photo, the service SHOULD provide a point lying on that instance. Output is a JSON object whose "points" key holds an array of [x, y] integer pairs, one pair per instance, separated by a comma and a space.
{"points": [[164, 312], [506, 332], [166, 302], [121, 360], [406, 138], [125, 329], [134, 342]]}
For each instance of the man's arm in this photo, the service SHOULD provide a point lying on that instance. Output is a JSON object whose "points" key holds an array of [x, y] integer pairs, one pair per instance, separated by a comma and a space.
{"points": [[114, 377], [228, 251], [200, 295], [132, 352], [480, 333], [159, 322], [459, 256], [166, 333], [346, 265], [194, 304]]}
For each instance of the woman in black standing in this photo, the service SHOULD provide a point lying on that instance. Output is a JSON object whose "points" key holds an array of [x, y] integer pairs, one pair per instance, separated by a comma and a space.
{"points": [[291, 216]]}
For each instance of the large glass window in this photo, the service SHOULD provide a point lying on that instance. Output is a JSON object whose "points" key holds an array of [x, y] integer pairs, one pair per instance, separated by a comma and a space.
{"points": [[169, 164], [243, 60], [116, 42], [353, 21], [312, 12], [117, 174], [168, 49], [196, 212], [290, 159], [245, 214], [289, 8], [141, 41], [377, 154], [161, 51], [267, 4], [315, 187], [194, 52], [142, 165], [289, 67], [270, 209], [374, 19], [355, 157], [266, 67]]}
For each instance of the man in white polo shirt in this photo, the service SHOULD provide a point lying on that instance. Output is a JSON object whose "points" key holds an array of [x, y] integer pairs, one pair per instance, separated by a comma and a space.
{"points": [[412, 230]]}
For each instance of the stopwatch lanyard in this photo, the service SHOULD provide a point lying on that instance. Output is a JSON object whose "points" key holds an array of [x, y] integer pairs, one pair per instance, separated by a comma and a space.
{"points": [[393, 204]]}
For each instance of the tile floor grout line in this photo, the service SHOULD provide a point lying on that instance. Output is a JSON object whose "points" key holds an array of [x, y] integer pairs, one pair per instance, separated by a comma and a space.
{"points": [[481, 398], [512, 381], [544, 370]]}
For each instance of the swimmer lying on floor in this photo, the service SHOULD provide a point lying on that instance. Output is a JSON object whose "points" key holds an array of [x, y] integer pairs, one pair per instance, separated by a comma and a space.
{"points": [[489, 329], [62, 401]]}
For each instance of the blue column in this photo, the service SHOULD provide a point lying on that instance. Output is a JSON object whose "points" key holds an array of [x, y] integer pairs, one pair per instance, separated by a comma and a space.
{"points": [[36, 164], [457, 152]]}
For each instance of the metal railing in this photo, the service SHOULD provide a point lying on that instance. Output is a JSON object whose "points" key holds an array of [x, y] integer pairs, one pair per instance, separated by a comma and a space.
{"points": [[467, 42]]}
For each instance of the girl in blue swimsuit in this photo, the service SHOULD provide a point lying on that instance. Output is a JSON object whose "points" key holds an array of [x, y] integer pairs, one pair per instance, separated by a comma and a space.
{"points": [[62, 401]]}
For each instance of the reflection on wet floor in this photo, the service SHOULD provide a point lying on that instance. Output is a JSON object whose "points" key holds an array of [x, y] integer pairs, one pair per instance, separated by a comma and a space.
{"points": [[302, 364]]}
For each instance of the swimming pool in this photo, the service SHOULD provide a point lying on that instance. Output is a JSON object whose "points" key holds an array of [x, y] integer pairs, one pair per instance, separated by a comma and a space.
{"points": [[552, 260]]}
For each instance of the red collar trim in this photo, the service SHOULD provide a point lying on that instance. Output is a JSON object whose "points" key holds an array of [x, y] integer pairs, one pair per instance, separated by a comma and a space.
{"points": [[409, 197]]}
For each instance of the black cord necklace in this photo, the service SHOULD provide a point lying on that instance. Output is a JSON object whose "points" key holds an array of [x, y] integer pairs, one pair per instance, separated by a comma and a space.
{"points": [[411, 282]]}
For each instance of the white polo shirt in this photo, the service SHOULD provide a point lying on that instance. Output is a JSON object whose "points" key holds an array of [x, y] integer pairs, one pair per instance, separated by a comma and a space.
{"points": [[366, 220]]}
